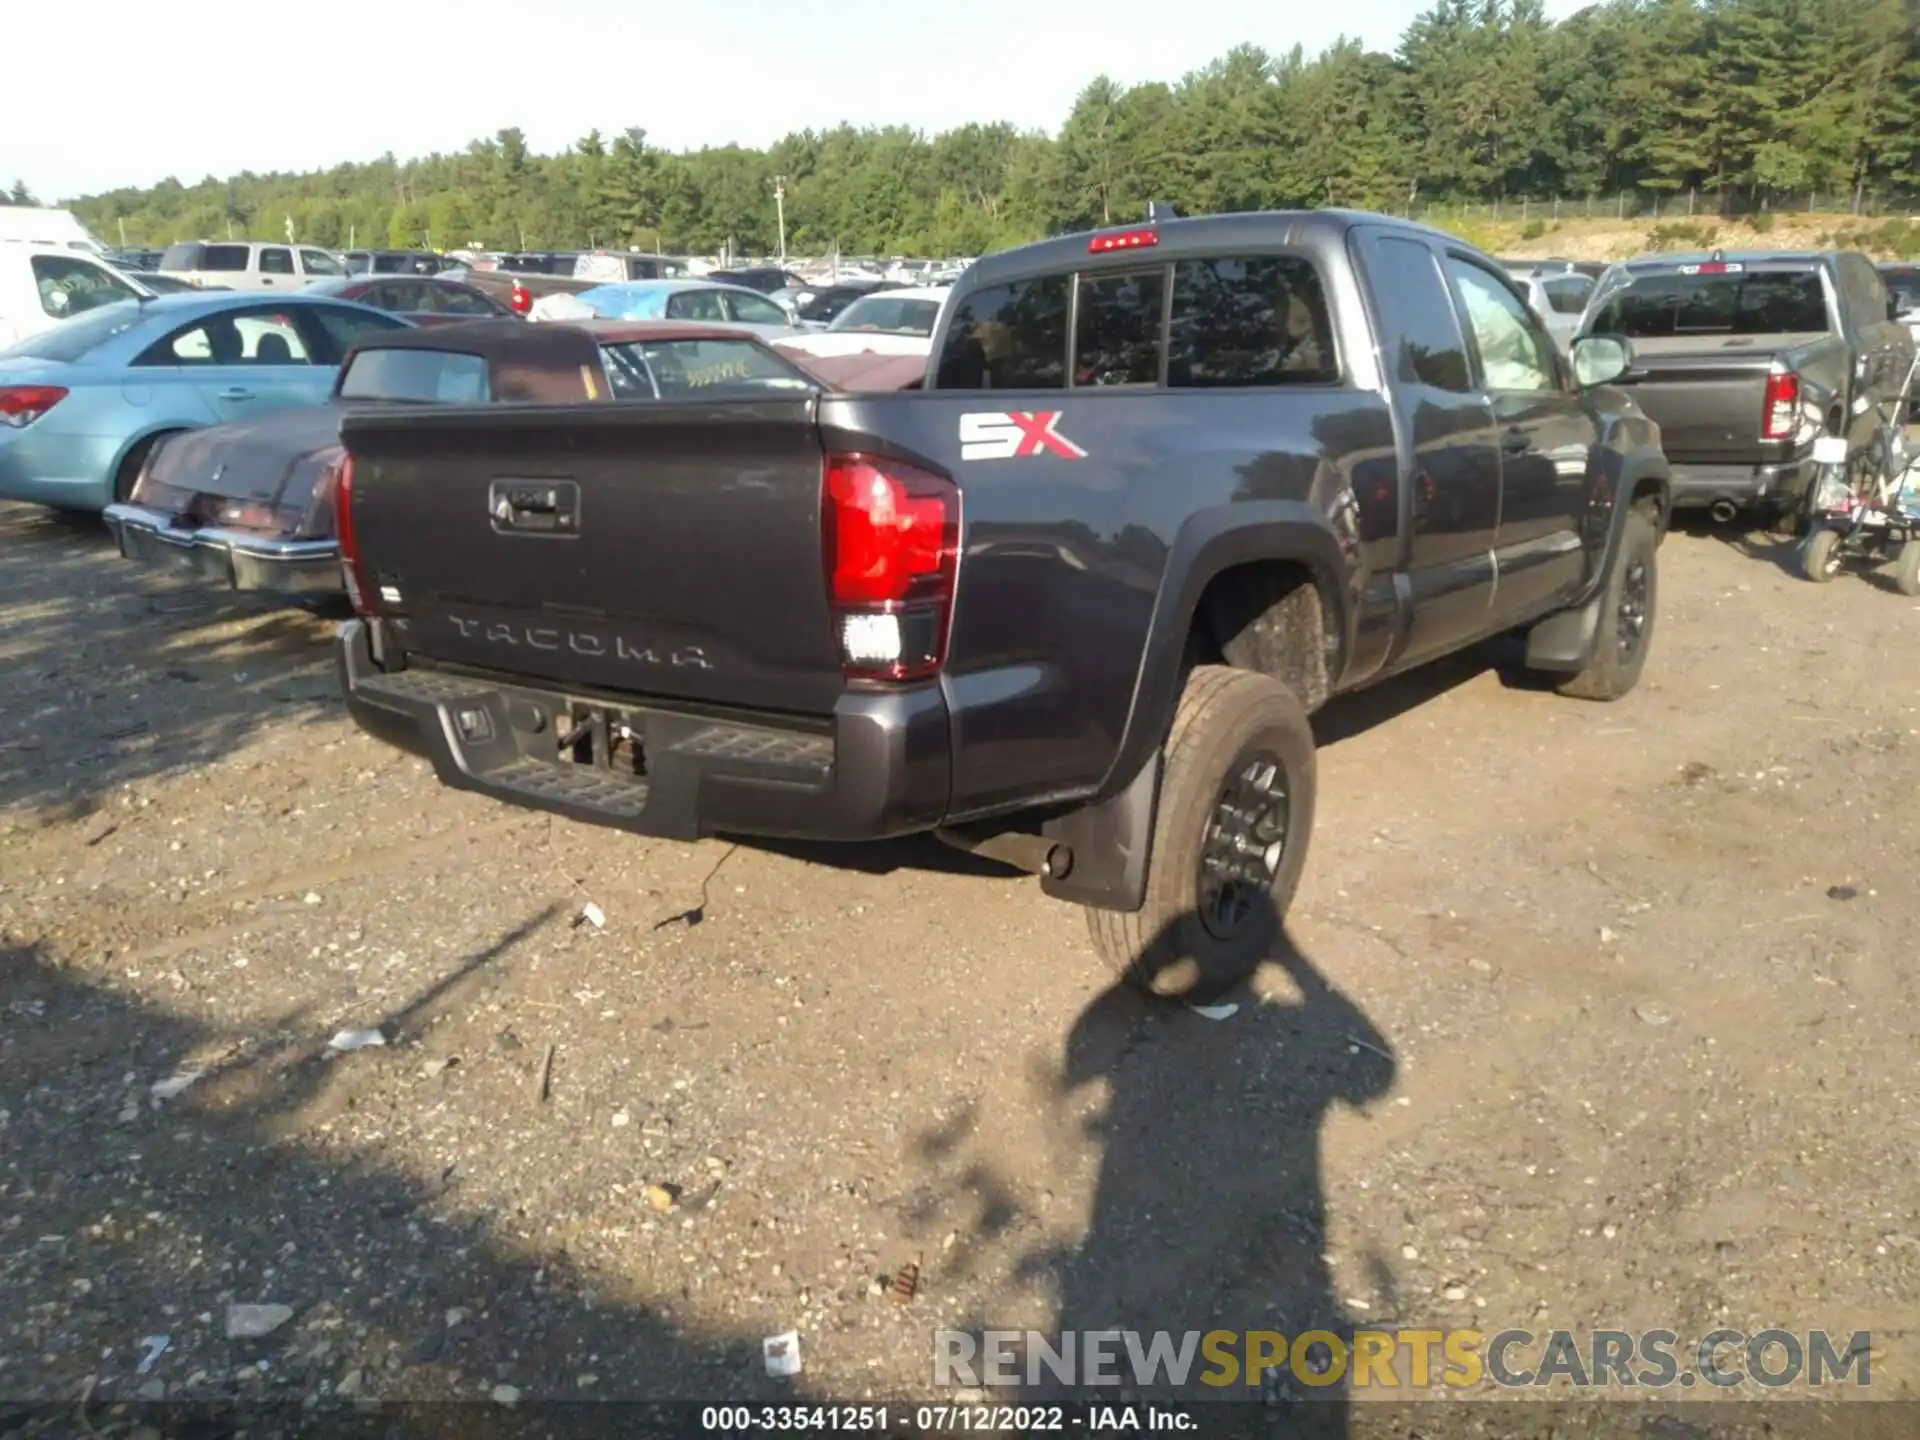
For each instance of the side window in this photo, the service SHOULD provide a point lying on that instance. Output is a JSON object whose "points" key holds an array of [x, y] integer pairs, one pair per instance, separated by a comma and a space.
{"points": [[1567, 294], [72, 287], [252, 337], [271, 340], [1008, 337], [403, 297], [1117, 338], [318, 262], [696, 305], [751, 311], [232, 258], [1252, 320], [1515, 353], [332, 329], [184, 256], [274, 261], [1420, 329], [456, 301]]}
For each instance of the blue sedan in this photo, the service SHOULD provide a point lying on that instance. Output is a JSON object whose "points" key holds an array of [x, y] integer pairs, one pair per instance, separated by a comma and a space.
{"points": [[83, 403]]}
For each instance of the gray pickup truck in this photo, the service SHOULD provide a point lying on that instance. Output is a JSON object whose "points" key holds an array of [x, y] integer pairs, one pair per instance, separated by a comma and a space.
{"points": [[1744, 360], [1164, 491]]}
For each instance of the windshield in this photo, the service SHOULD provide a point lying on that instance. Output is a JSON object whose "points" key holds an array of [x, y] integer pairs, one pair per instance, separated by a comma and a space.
{"points": [[697, 369], [1753, 302], [72, 339], [889, 315], [440, 377]]}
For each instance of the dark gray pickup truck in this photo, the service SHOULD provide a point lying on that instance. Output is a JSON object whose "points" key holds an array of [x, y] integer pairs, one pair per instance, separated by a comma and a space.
{"points": [[1164, 491], [1744, 360]]}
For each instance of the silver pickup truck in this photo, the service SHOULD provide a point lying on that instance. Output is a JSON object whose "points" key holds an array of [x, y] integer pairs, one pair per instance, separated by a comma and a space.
{"points": [[1744, 360]]}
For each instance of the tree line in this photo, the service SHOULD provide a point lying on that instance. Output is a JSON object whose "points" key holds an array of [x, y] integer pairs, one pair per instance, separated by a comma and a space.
{"points": [[1736, 100]]}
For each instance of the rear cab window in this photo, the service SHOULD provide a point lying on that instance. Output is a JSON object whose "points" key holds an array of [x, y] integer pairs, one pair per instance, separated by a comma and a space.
{"points": [[698, 370], [437, 377], [1206, 322], [1695, 301]]}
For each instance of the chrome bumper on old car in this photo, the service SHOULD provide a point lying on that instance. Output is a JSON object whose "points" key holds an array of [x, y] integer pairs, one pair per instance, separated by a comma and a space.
{"points": [[235, 559]]}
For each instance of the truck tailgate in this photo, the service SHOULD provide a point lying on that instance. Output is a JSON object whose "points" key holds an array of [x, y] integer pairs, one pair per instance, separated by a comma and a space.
{"points": [[1707, 394], [654, 549]]}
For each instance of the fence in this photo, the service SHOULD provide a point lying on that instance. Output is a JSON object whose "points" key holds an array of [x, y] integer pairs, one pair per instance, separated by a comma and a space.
{"points": [[1676, 205]]}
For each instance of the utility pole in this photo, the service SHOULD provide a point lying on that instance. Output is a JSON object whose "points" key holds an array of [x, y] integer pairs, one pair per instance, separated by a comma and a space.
{"points": [[780, 211]]}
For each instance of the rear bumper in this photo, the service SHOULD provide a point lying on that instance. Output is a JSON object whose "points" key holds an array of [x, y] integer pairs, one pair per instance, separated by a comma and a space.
{"points": [[879, 767], [232, 559], [1698, 486]]}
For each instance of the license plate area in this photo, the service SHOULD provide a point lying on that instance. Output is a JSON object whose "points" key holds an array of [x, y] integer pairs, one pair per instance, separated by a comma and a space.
{"points": [[599, 737]]}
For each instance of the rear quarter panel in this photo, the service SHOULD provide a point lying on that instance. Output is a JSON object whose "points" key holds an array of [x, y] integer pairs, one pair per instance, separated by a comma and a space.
{"points": [[1069, 565]]}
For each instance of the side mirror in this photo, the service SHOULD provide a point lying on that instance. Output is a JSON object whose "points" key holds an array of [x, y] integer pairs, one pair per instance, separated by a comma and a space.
{"points": [[1600, 359]]}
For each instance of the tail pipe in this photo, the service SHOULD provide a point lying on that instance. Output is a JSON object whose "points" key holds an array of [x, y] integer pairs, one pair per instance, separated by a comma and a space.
{"points": [[1723, 511]]}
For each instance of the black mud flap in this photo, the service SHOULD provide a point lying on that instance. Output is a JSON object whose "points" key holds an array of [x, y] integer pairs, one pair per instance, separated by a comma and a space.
{"points": [[1567, 640], [1110, 843]]}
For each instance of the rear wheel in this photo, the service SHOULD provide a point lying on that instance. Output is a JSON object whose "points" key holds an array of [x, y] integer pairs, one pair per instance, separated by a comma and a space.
{"points": [[1627, 608], [1230, 839], [1820, 561], [1906, 566]]}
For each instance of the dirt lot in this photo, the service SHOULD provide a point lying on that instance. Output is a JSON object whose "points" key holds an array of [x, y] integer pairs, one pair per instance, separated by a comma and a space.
{"points": [[1596, 1015]]}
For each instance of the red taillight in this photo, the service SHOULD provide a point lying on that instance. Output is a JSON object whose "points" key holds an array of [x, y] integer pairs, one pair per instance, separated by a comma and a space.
{"points": [[363, 595], [21, 405], [1781, 414], [1123, 240], [890, 543], [1713, 267], [520, 302]]}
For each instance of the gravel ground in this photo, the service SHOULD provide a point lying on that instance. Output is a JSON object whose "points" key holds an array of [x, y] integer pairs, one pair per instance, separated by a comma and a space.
{"points": [[1594, 1016]]}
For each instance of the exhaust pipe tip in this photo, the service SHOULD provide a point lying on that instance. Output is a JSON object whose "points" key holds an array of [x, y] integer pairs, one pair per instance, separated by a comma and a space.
{"points": [[1723, 511]]}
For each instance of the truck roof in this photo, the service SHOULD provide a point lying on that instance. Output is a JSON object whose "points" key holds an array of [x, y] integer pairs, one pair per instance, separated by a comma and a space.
{"points": [[1748, 258], [1197, 235]]}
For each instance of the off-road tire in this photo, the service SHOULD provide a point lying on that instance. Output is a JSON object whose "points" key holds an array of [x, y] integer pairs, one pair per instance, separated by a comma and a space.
{"points": [[1906, 566], [1819, 558], [1615, 668], [1226, 720]]}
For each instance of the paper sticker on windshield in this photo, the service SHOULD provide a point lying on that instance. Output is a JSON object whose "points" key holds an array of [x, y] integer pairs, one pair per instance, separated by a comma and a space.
{"points": [[1014, 435]]}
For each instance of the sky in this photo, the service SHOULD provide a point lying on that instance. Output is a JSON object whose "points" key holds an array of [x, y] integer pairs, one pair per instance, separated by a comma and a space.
{"points": [[295, 87]]}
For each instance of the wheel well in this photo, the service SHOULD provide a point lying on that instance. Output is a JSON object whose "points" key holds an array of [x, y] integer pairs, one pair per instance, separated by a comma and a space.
{"points": [[1267, 616], [134, 457], [1647, 495]]}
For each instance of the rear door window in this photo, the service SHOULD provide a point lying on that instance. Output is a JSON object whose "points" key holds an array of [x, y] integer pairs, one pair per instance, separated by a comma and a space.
{"points": [[702, 305], [1008, 337], [1740, 302], [225, 257], [1117, 337], [1247, 320], [1421, 330]]}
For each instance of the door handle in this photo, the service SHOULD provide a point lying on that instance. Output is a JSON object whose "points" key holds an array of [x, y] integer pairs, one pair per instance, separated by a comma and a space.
{"points": [[1516, 442], [234, 392]]}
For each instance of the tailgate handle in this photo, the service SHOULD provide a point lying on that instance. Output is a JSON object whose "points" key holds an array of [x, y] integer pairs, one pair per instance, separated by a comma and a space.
{"points": [[535, 507]]}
